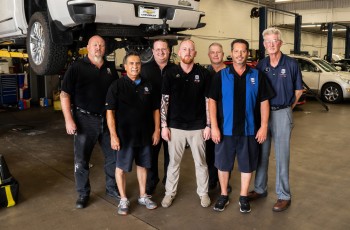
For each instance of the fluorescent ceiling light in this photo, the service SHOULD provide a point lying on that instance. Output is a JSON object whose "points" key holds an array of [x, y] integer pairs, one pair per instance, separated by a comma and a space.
{"points": [[283, 0], [310, 25]]}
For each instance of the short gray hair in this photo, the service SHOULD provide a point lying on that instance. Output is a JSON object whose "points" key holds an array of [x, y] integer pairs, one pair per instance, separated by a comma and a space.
{"points": [[272, 30]]}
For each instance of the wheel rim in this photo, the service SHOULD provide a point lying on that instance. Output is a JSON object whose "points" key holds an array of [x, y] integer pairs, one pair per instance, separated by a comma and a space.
{"points": [[37, 43], [331, 93]]}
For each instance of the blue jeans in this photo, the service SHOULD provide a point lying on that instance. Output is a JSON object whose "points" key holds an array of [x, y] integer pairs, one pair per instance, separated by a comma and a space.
{"points": [[91, 129], [280, 128]]}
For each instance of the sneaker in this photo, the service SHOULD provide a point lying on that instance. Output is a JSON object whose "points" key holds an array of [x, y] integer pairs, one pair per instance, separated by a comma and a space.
{"points": [[244, 204], [147, 202], [167, 201], [221, 203], [205, 201], [123, 207]]}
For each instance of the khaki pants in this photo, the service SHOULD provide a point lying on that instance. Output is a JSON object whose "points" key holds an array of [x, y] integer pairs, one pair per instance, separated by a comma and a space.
{"points": [[177, 145]]}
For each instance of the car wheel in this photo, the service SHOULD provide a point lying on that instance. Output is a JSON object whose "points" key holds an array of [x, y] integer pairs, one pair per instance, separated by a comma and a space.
{"points": [[45, 57], [332, 93]]}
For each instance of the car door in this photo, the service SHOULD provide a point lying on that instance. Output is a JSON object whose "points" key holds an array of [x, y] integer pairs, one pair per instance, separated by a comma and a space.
{"points": [[311, 74], [12, 19]]}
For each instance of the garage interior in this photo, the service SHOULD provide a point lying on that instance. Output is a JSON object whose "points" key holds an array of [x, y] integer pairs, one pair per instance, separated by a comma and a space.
{"points": [[39, 153]]}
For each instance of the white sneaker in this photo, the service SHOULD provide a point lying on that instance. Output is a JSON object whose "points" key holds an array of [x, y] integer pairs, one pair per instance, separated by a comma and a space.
{"points": [[167, 201], [147, 202], [123, 207], [205, 201]]}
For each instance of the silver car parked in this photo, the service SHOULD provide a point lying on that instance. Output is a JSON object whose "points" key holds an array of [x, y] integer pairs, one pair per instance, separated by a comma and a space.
{"points": [[332, 85]]}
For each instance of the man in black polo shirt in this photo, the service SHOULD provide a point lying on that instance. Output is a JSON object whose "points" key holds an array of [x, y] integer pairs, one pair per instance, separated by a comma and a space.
{"points": [[185, 119], [155, 71], [83, 97], [134, 123]]}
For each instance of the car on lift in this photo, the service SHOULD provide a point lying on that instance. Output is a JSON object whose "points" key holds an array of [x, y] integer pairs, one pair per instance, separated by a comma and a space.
{"points": [[324, 79], [50, 28]]}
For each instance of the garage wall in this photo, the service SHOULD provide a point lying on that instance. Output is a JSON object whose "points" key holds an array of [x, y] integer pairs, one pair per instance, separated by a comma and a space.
{"points": [[227, 20]]}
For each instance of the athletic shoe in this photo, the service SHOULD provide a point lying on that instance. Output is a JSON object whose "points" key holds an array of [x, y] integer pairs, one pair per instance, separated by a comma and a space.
{"points": [[244, 204], [167, 201], [221, 203], [147, 202], [205, 201], [123, 207]]}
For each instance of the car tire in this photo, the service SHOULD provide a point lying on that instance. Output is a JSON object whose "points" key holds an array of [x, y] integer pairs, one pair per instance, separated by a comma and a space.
{"points": [[332, 93], [45, 57]]}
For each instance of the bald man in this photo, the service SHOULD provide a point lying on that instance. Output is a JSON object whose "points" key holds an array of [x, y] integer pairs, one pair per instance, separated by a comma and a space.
{"points": [[83, 97]]}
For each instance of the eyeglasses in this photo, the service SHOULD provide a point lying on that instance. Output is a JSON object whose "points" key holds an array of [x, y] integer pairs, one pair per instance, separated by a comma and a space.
{"points": [[269, 42], [163, 50]]}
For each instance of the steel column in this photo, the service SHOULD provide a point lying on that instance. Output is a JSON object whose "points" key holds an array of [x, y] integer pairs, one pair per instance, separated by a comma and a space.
{"points": [[297, 34], [262, 27], [347, 42], [329, 42]]}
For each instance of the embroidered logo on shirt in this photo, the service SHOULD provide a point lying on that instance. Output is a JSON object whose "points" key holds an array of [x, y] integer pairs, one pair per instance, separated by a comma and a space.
{"points": [[267, 69], [196, 79], [283, 73], [146, 90], [252, 80], [177, 75], [109, 71]]}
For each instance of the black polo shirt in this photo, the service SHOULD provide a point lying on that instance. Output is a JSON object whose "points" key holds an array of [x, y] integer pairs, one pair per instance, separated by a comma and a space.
{"points": [[88, 85], [187, 92], [155, 75], [134, 106]]}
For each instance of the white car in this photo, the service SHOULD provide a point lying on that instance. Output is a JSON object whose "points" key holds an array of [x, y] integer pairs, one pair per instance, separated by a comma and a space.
{"points": [[49, 28], [332, 85]]}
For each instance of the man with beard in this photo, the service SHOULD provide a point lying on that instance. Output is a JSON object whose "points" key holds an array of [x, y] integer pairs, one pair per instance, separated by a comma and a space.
{"points": [[185, 119], [155, 71], [83, 98], [239, 112]]}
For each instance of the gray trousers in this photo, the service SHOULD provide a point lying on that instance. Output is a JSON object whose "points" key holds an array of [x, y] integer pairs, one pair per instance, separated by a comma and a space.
{"points": [[280, 129]]}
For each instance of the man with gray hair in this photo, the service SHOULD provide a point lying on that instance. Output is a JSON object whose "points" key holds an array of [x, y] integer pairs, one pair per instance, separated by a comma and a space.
{"points": [[285, 77]]}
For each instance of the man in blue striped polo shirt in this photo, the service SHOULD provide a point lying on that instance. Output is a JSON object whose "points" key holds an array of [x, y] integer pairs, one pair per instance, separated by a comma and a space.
{"points": [[239, 112]]}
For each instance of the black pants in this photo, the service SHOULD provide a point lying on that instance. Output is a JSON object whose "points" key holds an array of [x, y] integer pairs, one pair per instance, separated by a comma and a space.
{"points": [[210, 158], [153, 175], [91, 129]]}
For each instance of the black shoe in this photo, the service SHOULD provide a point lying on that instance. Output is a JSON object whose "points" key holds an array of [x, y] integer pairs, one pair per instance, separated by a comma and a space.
{"points": [[82, 202], [221, 203], [113, 193], [244, 204]]}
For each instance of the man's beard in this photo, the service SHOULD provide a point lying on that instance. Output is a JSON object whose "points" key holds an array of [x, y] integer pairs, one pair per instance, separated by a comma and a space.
{"points": [[187, 59]]}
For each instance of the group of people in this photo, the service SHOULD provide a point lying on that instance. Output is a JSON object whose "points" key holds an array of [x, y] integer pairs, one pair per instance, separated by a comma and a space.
{"points": [[221, 113]]}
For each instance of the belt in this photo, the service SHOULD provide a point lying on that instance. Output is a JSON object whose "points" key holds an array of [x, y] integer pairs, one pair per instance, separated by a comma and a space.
{"points": [[278, 107], [88, 112]]}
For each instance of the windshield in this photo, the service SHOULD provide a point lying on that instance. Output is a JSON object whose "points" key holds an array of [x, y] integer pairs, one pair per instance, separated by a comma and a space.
{"points": [[325, 65]]}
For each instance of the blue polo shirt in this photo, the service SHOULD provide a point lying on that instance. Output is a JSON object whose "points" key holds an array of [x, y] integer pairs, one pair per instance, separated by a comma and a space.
{"points": [[238, 100], [285, 78]]}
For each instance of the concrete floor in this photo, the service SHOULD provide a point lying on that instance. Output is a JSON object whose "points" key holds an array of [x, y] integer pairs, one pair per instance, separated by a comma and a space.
{"points": [[39, 155]]}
